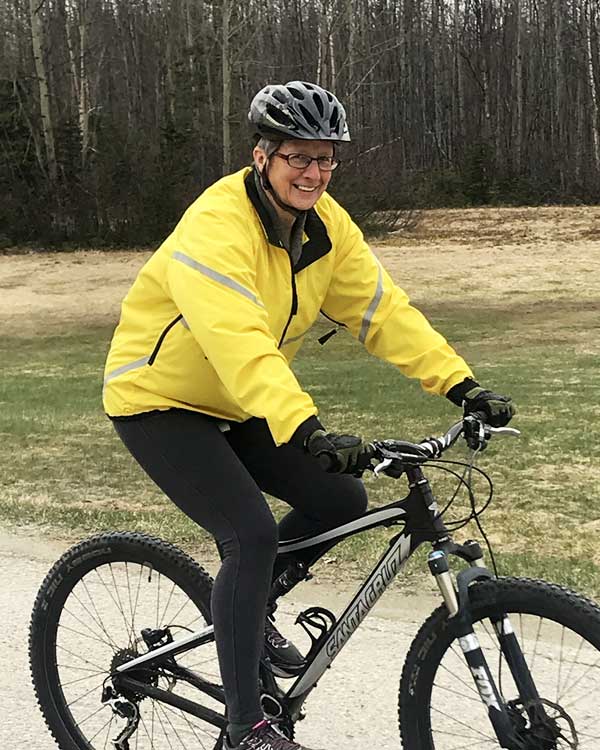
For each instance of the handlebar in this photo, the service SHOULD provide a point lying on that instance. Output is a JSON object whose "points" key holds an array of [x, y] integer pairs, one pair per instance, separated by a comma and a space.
{"points": [[476, 431]]}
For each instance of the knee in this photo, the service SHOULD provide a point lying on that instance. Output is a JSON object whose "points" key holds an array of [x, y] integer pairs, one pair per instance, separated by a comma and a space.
{"points": [[355, 499], [259, 541]]}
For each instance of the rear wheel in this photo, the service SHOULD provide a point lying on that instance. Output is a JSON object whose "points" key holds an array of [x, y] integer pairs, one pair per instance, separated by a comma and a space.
{"points": [[559, 634], [88, 619]]}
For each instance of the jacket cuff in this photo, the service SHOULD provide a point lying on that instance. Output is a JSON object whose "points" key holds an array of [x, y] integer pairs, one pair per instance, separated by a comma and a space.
{"points": [[298, 439], [456, 394]]}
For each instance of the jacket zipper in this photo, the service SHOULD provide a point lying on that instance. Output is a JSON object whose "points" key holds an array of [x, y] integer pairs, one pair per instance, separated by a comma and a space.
{"points": [[325, 338], [294, 308], [161, 338]]}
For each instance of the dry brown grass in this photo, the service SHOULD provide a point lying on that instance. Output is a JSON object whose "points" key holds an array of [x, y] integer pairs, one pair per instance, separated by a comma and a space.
{"points": [[540, 262]]}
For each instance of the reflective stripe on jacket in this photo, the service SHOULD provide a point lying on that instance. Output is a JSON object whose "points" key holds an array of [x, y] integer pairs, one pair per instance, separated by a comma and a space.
{"points": [[217, 314]]}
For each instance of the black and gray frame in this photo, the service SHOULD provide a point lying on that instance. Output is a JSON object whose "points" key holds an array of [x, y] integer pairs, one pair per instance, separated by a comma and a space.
{"points": [[418, 516]]}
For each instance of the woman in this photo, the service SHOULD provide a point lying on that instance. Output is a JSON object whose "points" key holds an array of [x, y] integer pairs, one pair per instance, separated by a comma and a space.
{"points": [[198, 380]]}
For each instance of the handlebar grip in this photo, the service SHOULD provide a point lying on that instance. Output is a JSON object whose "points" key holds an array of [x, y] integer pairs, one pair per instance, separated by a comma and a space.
{"points": [[480, 416]]}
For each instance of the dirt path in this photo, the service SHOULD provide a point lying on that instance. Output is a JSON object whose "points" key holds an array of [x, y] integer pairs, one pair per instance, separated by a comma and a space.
{"points": [[354, 704]]}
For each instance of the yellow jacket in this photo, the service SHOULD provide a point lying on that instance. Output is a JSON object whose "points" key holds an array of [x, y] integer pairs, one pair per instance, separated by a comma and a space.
{"points": [[216, 315]]}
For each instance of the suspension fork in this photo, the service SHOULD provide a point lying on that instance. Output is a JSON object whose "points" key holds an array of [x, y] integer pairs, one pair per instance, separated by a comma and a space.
{"points": [[459, 609]]}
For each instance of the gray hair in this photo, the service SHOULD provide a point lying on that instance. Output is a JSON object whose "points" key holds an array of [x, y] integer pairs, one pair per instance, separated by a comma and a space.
{"points": [[268, 146]]}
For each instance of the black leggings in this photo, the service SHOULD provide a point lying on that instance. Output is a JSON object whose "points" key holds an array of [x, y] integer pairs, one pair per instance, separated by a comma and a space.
{"points": [[216, 478]]}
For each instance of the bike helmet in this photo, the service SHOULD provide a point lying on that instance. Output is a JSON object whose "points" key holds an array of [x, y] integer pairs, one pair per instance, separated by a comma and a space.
{"points": [[298, 110]]}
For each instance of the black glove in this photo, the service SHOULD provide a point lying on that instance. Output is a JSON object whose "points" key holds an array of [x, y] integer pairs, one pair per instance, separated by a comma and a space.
{"points": [[498, 410], [347, 454]]}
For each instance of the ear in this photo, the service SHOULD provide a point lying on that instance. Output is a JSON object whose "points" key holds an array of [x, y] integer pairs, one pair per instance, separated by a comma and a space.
{"points": [[259, 157]]}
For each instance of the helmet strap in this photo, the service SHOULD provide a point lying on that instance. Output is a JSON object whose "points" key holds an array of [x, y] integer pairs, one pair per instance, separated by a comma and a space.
{"points": [[268, 188]]}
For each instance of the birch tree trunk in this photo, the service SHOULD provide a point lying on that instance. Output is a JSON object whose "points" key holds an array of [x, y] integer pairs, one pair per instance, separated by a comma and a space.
{"points": [[589, 21], [518, 126], [37, 38], [77, 58], [226, 74]]}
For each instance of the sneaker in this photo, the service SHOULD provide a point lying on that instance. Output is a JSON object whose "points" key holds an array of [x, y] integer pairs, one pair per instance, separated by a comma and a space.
{"points": [[264, 736], [284, 656]]}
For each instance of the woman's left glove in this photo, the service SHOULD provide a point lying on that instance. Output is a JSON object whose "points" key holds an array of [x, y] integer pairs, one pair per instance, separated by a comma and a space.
{"points": [[498, 410]]}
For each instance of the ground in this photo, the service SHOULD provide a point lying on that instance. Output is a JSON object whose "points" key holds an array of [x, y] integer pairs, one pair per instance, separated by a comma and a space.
{"points": [[536, 261]]}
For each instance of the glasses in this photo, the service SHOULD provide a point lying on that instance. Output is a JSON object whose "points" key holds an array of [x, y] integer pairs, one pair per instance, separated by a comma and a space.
{"points": [[302, 161]]}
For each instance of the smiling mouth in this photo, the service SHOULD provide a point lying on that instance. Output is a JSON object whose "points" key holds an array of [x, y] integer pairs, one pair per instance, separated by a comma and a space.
{"points": [[306, 188]]}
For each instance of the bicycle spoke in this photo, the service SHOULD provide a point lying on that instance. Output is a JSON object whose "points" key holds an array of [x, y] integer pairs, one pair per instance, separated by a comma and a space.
{"points": [[462, 724], [469, 685], [81, 722], [110, 641], [158, 601], [158, 706], [166, 715], [81, 697], [97, 615], [81, 658], [81, 669], [590, 667], [188, 722], [163, 617], [106, 724], [476, 698], [128, 627], [174, 618], [83, 635], [79, 679], [143, 723], [108, 732]]}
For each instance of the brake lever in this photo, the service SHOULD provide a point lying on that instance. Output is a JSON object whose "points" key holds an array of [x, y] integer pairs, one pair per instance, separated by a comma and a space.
{"points": [[381, 467], [510, 431]]}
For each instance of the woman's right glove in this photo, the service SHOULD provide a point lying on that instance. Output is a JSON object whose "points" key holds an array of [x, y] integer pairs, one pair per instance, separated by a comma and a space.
{"points": [[339, 454]]}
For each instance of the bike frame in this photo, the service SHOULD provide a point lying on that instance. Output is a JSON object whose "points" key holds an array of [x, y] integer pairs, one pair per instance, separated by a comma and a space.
{"points": [[418, 514]]}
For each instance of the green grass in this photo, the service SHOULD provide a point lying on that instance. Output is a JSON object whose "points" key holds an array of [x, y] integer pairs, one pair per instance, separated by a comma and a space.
{"points": [[64, 468]]}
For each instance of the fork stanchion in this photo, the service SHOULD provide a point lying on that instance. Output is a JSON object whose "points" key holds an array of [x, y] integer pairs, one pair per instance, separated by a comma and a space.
{"points": [[438, 565]]}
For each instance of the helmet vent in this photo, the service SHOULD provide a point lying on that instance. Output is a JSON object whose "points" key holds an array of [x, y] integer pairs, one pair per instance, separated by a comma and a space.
{"points": [[318, 104], [296, 93], [279, 96], [281, 117], [309, 117]]}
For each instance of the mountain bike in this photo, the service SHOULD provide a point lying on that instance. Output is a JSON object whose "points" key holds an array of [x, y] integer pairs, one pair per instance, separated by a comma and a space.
{"points": [[122, 648]]}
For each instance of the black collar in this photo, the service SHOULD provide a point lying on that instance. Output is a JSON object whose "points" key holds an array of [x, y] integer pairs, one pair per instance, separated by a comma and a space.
{"points": [[318, 243]]}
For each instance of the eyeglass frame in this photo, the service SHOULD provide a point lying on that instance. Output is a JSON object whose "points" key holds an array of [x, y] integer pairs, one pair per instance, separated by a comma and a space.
{"points": [[332, 160]]}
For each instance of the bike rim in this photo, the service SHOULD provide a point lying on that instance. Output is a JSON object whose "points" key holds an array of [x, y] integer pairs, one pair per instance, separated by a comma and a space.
{"points": [[566, 670], [100, 627]]}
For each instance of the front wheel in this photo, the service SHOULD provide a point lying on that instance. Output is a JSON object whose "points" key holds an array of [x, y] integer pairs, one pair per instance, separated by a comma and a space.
{"points": [[559, 635]]}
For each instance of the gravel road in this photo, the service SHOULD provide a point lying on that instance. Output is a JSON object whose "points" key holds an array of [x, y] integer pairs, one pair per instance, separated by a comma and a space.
{"points": [[354, 706]]}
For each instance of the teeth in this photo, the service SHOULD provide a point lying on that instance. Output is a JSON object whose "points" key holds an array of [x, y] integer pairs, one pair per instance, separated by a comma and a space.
{"points": [[305, 189]]}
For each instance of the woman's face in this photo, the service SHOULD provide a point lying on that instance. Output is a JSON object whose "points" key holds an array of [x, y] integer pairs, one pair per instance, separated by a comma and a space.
{"points": [[300, 188]]}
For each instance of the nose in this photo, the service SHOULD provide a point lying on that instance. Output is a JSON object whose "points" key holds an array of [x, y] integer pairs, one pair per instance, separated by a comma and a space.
{"points": [[313, 171]]}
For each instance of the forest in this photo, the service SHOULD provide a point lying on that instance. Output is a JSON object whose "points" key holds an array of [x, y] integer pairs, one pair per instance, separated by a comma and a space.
{"points": [[115, 114]]}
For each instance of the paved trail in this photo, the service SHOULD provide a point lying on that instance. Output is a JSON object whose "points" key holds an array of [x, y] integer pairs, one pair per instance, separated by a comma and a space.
{"points": [[354, 706]]}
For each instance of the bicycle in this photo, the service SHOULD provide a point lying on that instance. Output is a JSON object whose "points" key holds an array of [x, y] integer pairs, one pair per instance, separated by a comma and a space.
{"points": [[122, 648]]}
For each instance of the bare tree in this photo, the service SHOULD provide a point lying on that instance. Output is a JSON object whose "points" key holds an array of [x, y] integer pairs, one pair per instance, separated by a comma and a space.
{"points": [[37, 39]]}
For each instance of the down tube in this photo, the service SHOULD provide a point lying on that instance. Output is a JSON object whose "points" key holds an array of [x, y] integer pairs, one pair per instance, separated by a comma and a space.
{"points": [[381, 577]]}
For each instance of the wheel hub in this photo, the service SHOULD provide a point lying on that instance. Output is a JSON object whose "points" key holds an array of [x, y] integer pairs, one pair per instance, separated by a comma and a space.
{"points": [[121, 657], [550, 724]]}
